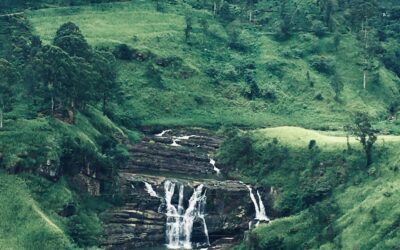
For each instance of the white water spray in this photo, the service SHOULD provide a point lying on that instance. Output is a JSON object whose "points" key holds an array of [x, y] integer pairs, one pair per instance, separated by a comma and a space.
{"points": [[163, 133], [176, 139], [174, 143], [149, 189], [259, 207], [217, 170], [180, 221]]}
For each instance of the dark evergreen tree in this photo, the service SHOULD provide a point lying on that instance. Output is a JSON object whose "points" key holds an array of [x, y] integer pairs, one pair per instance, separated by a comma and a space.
{"points": [[70, 39], [55, 70], [107, 86]]}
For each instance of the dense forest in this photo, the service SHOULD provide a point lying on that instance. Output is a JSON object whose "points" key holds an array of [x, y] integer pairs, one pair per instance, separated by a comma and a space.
{"points": [[298, 99]]}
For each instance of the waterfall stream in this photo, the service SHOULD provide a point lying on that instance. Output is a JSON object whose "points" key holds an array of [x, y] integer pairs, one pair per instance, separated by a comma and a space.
{"points": [[180, 221], [149, 189], [217, 170], [259, 207], [163, 133]]}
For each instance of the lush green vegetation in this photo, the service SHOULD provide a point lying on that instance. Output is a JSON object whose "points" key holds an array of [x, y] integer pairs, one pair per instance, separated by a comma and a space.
{"points": [[78, 78], [329, 198], [208, 81]]}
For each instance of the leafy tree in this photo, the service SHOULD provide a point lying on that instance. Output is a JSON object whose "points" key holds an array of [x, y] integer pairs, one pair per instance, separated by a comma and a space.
{"points": [[365, 133], [84, 83], [204, 25], [361, 12], [8, 77], [69, 38], [285, 22], [154, 76], [318, 28], [328, 8], [159, 5], [107, 86], [123, 52], [55, 69], [250, 80], [250, 6], [226, 13]]}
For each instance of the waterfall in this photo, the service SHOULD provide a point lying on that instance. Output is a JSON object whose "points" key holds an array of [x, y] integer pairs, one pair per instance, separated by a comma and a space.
{"points": [[149, 189], [174, 143], [263, 215], [176, 139], [259, 207], [201, 208], [180, 221], [217, 170], [163, 133]]}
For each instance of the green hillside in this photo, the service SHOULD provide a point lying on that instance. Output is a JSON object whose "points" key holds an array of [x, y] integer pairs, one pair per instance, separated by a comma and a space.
{"points": [[282, 81], [205, 82], [349, 206]]}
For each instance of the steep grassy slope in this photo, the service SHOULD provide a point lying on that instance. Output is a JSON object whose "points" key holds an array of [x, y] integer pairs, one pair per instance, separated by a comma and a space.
{"points": [[340, 204], [37, 213], [208, 86], [328, 197], [23, 225]]}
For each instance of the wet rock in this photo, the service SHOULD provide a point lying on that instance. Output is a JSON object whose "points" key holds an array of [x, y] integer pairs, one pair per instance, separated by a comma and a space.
{"points": [[141, 221]]}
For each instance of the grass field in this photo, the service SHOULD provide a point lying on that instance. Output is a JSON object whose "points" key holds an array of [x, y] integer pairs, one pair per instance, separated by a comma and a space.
{"points": [[23, 225], [300, 137], [197, 99]]}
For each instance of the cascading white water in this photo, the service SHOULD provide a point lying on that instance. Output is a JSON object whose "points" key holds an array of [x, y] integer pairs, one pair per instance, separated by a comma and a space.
{"points": [[174, 143], [163, 133], [176, 139], [180, 221], [259, 207], [149, 189], [202, 208], [263, 215], [217, 170]]}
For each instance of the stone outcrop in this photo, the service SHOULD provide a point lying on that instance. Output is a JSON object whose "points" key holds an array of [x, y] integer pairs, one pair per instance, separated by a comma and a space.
{"points": [[141, 221], [188, 157]]}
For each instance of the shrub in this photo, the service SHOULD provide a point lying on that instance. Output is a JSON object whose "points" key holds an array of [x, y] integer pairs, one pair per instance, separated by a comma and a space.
{"points": [[391, 60], [85, 229], [269, 92], [123, 52], [275, 67], [322, 64], [319, 28]]}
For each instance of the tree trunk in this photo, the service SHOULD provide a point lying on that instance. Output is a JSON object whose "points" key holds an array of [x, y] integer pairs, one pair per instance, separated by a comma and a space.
{"points": [[365, 75], [215, 8], [348, 142], [250, 16], [1, 118], [52, 105], [364, 25], [71, 112]]}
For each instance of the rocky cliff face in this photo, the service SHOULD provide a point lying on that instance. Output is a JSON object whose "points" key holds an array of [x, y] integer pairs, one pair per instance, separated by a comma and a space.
{"points": [[182, 157]]}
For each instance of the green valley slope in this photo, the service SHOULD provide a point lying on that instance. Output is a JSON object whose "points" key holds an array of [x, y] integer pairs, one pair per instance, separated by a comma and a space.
{"points": [[208, 85]]}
